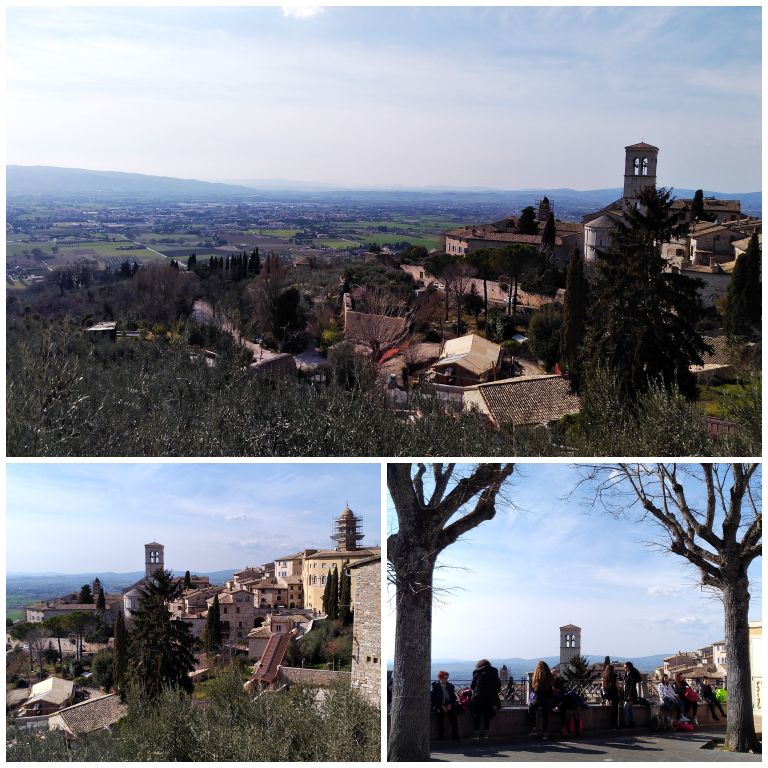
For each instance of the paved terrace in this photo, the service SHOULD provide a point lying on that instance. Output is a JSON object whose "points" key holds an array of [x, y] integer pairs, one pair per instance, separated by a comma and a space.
{"points": [[618, 746]]}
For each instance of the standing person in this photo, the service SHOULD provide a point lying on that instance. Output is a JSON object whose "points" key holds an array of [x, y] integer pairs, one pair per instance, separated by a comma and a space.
{"points": [[541, 698], [610, 692], [446, 704], [566, 703], [631, 694], [708, 695], [485, 696], [688, 697]]}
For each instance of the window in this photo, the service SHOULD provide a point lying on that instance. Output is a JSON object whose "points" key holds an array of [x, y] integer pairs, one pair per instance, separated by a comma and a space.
{"points": [[237, 610], [636, 166], [645, 166]]}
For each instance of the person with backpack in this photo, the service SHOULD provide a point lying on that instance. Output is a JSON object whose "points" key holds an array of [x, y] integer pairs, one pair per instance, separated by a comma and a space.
{"points": [[688, 696], [485, 686], [541, 698], [566, 703], [708, 696], [631, 694], [610, 692], [446, 704]]}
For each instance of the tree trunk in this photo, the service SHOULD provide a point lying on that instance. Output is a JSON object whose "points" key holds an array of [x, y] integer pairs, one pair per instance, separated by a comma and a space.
{"points": [[410, 713], [485, 301], [740, 736], [514, 305]]}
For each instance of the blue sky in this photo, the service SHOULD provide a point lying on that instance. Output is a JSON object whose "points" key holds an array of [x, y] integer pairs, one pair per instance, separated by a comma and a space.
{"points": [[72, 518], [549, 560], [505, 97]]}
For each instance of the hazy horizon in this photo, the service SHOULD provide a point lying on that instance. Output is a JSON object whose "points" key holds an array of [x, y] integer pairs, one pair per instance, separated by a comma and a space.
{"points": [[456, 97]]}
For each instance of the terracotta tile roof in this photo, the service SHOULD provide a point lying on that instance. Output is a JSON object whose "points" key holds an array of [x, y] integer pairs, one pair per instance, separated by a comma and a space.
{"points": [[528, 400], [93, 715], [325, 554]]}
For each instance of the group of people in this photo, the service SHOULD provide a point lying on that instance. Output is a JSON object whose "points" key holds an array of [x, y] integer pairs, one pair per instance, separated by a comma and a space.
{"points": [[483, 703], [622, 699], [549, 693], [680, 698]]}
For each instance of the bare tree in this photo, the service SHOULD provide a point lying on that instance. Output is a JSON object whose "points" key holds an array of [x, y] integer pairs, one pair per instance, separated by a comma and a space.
{"points": [[37, 639], [427, 524], [380, 320], [711, 516], [458, 278]]}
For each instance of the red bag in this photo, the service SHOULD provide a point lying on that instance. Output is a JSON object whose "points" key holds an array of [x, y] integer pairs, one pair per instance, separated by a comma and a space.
{"points": [[681, 726], [690, 694]]}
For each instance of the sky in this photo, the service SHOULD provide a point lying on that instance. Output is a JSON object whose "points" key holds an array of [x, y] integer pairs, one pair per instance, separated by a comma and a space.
{"points": [[548, 559], [499, 97], [71, 518]]}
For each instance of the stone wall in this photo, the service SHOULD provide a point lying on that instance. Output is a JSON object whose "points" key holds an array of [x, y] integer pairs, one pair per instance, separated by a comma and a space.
{"points": [[320, 677], [366, 631]]}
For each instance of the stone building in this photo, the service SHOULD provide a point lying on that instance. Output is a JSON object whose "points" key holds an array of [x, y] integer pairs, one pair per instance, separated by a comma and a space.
{"points": [[318, 567], [366, 629]]}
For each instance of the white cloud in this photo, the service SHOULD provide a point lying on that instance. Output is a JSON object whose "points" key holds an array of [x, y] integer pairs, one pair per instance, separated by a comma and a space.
{"points": [[657, 591], [302, 11]]}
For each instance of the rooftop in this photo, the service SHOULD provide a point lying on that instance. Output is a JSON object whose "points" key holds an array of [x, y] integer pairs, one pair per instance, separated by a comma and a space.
{"points": [[528, 400], [93, 715], [472, 352]]}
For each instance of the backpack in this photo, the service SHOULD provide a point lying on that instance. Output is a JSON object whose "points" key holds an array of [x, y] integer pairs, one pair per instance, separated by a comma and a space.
{"points": [[465, 697], [575, 725]]}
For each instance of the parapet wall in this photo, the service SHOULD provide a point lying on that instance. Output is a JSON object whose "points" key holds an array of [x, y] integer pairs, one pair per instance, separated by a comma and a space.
{"points": [[321, 677], [512, 721]]}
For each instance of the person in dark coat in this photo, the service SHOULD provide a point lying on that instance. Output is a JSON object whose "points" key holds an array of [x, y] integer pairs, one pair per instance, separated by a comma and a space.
{"points": [[485, 686], [610, 692], [446, 704], [708, 696], [631, 693]]}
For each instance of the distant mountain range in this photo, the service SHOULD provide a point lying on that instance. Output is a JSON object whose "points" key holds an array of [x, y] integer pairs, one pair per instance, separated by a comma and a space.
{"points": [[93, 186], [460, 669]]}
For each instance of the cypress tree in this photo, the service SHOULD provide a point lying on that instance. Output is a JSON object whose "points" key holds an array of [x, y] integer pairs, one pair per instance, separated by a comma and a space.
{"points": [[574, 316], [119, 653], [526, 224], [643, 319], [327, 598], [743, 301], [548, 235], [161, 647], [187, 580], [333, 610], [697, 206], [345, 595], [101, 603], [212, 634], [85, 594]]}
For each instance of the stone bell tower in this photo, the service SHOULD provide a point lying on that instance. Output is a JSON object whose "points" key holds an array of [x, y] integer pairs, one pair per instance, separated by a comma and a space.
{"points": [[639, 169], [570, 643], [347, 531], [154, 558]]}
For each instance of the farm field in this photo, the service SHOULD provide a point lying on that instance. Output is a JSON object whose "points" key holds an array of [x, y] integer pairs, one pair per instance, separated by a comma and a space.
{"points": [[429, 241], [336, 244], [168, 238], [285, 234]]}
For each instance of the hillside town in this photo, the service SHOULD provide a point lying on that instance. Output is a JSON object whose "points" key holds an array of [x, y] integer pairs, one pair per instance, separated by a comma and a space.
{"points": [[264, 620], [510, 325]]}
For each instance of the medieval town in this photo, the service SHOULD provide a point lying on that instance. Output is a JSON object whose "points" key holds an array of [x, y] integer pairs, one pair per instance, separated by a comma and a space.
{"points": [[308, 620]]}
